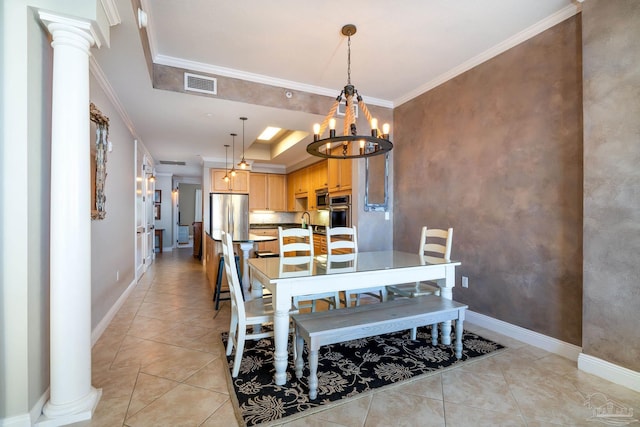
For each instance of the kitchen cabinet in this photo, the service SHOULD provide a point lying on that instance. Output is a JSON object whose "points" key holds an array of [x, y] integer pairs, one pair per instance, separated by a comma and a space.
{"points": [[339, 174], [237, 184], [297, 189], [268, 192], [272, 246], [319, 244], [317, 177]]}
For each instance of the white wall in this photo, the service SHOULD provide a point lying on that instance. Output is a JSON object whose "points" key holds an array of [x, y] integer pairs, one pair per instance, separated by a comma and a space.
{"points": [[113, 238]]}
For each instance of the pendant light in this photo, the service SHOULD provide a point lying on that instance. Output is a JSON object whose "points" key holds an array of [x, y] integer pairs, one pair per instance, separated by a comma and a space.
{"points": [[243, 163], [226, 174], [233, 154]]}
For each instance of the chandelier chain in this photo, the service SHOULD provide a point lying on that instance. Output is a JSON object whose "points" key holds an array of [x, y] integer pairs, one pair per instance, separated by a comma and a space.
{"points": [[349, 60]]}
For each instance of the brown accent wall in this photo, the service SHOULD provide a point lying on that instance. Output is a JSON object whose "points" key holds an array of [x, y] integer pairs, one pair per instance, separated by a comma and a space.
{"points": [[496, 153], [611, 46]]}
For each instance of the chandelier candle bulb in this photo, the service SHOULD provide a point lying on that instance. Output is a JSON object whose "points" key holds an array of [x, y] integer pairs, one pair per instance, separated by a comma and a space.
{"points": [[385, 130], [361, 147]]}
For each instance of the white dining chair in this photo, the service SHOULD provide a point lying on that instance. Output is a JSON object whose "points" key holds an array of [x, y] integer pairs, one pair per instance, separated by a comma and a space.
{"points": [[435, 244], [344, 240], [297, 243], [244, 314]]}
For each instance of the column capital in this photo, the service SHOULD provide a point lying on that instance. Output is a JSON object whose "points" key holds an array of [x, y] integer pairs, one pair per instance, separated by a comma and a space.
{"points": [[84, 29]]}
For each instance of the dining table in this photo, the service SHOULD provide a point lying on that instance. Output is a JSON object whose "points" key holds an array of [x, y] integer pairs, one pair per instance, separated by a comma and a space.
{"points": [[324, 274]]}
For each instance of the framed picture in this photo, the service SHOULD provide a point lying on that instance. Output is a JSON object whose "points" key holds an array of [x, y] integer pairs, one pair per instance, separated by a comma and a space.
{"points": [[156, 211], [158, 197]]}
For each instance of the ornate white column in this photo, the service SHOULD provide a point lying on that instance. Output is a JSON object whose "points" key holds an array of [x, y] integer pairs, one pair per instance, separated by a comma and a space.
{"points": [[72, 396]]}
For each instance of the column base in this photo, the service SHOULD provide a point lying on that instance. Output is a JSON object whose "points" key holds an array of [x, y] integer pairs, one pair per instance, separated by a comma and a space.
{"points": [[80, 410]]}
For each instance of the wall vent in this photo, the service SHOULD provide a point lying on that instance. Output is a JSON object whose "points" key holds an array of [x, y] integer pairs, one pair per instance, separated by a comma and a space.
{"points": [[342, 107], [201, 84], [172, 162]]}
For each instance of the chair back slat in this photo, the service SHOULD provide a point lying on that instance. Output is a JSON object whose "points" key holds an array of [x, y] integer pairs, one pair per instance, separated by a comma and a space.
{"points": [[303, 242], [436, 242], [347, 238]]}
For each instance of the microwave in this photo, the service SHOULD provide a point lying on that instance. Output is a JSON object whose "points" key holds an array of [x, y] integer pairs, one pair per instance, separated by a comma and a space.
{"points": [[322, 199]]}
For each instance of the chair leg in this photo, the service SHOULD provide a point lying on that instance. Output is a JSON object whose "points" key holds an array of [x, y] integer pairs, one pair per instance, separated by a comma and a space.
{"points": [[233, 328], [242, 332]]}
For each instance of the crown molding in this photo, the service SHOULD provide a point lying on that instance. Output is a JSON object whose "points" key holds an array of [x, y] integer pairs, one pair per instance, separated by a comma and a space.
{"points": [[111, 12], [99, 75], [257, 78], [524, 35]]}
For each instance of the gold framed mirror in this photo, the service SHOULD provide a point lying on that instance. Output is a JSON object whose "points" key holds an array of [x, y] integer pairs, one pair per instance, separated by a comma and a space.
{"points": [[98, 171]]}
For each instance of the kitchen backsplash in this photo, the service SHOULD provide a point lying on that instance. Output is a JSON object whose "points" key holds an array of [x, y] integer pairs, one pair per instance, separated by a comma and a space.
{"points": [[317, 218]]}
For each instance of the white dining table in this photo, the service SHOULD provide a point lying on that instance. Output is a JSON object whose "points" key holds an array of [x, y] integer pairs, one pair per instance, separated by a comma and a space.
{"points": [[367, 269]]}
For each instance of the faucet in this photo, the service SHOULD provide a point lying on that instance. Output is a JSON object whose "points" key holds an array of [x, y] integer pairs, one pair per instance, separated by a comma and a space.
{"points": [[304, 225]]}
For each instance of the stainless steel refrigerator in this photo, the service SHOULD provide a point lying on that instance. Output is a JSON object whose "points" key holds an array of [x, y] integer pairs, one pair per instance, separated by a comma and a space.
{"points": [[229, 212]]}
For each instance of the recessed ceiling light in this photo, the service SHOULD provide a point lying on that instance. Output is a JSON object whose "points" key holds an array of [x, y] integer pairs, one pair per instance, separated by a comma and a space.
{"points": [[268, 133]]}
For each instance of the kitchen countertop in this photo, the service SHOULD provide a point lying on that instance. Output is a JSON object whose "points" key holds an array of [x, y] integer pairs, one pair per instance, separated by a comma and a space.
{"points": [[318, 229]]}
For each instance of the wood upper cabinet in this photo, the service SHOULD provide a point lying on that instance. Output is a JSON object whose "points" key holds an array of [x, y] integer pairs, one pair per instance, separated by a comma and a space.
{"points": [[268, 192], [300, 180], [339, 174], [318, 175], [297, 186], [237, 184]]}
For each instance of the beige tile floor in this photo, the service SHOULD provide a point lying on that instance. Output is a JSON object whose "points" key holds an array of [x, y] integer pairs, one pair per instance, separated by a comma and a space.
{"points": [[159, 363]]}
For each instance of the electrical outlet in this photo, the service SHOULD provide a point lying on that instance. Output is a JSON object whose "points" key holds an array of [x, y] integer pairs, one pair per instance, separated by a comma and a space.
{"points": [[117, 275], [465, 282]]}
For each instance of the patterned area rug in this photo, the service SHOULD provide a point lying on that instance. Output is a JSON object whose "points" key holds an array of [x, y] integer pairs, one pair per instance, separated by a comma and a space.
{"points": [[345, 370]]}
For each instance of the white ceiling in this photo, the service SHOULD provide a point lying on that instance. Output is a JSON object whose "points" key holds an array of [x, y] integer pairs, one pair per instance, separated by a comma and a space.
{"points": [[401, 50]]}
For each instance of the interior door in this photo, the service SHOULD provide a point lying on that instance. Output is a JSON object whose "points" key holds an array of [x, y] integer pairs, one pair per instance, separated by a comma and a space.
{"points": [[140, 213], [150, 233]]}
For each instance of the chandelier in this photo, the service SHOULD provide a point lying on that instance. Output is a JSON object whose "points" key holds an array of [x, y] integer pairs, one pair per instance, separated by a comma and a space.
{"points": [[350, 145]]}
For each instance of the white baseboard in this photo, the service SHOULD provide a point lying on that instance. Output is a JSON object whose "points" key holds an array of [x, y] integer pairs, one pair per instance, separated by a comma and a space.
{"points": [[535, 339], [104, 323], [22, 420], [609, 371], [592, 365]]}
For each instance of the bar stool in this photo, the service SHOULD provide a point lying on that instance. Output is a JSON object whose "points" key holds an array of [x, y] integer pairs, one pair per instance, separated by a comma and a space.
{"points": [[216, 296]]}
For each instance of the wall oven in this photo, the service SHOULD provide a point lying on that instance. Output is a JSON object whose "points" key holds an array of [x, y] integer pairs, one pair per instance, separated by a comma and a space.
{"points": [[340, 211]]}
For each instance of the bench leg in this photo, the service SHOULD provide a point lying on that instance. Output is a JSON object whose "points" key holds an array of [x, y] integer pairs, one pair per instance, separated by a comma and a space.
{"points": [[313, 374], [434, 334], [458, 339], [299, 360], [414, 334]]}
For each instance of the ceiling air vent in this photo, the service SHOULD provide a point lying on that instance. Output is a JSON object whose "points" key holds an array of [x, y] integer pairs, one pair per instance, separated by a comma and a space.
{"points": [[202, 84], [172, 162]]}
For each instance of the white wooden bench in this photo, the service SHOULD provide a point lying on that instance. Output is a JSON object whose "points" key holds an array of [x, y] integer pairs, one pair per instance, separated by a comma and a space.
{"points": [[330, 327]]}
